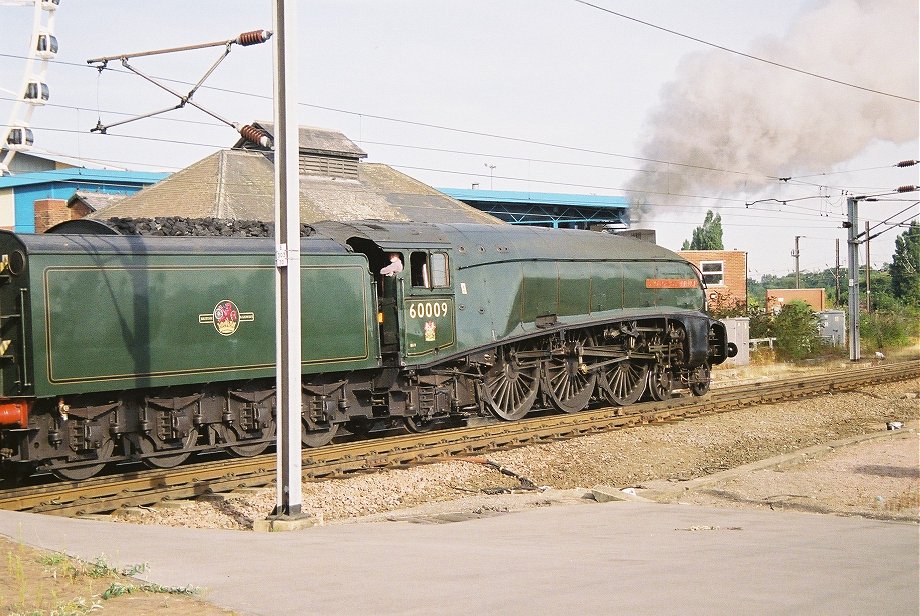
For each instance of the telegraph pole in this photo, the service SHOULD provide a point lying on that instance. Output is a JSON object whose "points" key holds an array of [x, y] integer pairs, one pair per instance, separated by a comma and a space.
{"points": [[795, 253]]}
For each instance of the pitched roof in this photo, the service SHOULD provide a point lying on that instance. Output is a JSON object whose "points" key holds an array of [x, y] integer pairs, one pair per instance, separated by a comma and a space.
{"points": [[239, 184], [311, 140], [95, 200]]}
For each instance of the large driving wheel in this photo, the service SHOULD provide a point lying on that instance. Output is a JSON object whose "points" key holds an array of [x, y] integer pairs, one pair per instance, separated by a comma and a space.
{"points": [[569, 382], [510, 386], [624, 382]]}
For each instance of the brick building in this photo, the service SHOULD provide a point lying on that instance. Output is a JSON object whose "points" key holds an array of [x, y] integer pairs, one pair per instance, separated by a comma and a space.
{"points": [[724, 274], [777, 298]]}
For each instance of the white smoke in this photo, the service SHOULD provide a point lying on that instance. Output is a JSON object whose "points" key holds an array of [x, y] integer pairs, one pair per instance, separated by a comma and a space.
{"points": [[729, 112]]}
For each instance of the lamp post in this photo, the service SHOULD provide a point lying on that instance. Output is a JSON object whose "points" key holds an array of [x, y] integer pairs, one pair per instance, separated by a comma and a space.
{"points": [[490, 168]]}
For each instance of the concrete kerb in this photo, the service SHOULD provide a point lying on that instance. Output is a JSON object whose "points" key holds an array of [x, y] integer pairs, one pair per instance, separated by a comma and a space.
{"points": [[782, 461]]}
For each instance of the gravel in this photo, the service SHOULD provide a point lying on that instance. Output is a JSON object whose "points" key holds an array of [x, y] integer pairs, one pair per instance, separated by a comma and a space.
{"points": [[631, 457]]}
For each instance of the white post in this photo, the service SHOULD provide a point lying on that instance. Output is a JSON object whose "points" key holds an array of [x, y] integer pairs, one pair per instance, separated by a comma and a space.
{"points": [[287, 262]]}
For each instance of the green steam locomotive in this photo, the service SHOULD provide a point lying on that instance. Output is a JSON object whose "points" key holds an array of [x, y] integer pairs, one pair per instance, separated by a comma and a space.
{"points": [[117, 348]]}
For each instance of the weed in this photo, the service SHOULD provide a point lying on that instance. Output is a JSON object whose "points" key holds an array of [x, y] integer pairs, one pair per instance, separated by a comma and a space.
{"points": [[53, 559], [118, 590]]}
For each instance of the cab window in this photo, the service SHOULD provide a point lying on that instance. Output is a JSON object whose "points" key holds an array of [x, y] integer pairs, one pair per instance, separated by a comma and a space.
{"points": [[429, 270]]}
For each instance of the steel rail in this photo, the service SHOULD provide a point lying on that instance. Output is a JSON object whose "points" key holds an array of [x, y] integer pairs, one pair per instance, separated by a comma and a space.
{"points": [[141, 488]]}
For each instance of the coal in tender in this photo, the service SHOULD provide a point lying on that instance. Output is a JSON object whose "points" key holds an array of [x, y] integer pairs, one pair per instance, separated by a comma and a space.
{"points": [[175, 226]]}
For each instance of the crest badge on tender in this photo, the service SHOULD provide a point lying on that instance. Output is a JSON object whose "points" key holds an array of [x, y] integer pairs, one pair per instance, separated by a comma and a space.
{"points": [[226, 317]]}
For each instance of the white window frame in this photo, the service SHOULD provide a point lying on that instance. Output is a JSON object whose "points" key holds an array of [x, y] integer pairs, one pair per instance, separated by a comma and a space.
{"points": [[720, 273]]}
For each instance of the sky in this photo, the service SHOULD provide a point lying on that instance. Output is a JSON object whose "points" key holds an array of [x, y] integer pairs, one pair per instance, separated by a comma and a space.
{"points": [[533, 95]]}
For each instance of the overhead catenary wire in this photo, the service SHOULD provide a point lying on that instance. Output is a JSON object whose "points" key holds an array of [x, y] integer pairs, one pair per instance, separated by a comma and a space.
{"points": [[792, 179], [902, 224], [914, 204], [464, 131], [808, 213], [815, 175], [745, 55]]}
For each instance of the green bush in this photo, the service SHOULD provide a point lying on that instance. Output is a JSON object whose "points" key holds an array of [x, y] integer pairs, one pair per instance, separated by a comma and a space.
{"points": [[889, 328], [796, 331], [761, 324]]}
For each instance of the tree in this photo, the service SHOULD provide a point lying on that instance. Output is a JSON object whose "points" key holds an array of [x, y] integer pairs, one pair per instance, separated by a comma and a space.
{"points": [[707, 237], [905, 266]]}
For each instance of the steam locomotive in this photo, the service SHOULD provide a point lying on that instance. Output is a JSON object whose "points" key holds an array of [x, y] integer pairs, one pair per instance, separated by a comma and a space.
{"points": [[117, 348]]}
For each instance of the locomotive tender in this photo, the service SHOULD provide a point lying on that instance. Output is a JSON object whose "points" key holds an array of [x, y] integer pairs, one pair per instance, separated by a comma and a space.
{"points": [[120, 347]]}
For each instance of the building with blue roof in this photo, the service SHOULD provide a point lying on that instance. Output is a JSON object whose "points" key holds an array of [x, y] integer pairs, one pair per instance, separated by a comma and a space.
{"points": [[19, 193], [555, 210]]}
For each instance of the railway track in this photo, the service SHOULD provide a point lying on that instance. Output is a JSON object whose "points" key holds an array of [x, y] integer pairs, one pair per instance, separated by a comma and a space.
{"points": [[139, 488]]}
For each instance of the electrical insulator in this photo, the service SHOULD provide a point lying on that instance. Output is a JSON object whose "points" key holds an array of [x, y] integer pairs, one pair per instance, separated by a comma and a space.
{"points": [[908, 188], [906, 163], [50, 5], [255, 135], [253, 38]]}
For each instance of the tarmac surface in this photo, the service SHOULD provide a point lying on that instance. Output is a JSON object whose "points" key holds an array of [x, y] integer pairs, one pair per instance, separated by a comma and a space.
{"points": [[605, 558]]}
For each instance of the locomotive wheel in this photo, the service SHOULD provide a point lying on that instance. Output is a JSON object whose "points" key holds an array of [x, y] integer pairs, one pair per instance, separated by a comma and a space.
{"points": [[147, 447], [243, 448], [569, 385], [701, 377], [79, 473], [510, 386], [660, 382], [418, 424], [359, 426], [313, 436], [624, 383]]}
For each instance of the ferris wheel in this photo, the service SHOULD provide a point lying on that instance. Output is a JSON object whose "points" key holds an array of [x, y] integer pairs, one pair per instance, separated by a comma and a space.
{"points": [[33, 91]]}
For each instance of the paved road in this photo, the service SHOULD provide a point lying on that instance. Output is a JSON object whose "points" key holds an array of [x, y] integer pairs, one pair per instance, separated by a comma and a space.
{"points": [[612, 558]]}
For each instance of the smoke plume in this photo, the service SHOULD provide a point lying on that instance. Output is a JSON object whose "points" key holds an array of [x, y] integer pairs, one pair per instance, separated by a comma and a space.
{"points": [[732, 113]]}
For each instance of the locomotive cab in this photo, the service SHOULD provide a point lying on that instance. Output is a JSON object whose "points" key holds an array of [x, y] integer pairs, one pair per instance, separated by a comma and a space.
{"points": [[428, 305], [415, 305]]}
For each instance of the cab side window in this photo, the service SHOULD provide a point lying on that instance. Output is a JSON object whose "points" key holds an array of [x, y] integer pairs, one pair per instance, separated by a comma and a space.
{"points": [[420, 269], [439, 271], [429, 270]]}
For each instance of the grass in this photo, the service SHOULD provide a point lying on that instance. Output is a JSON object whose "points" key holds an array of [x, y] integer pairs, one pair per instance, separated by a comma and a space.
{"points": [[36, 583]]}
